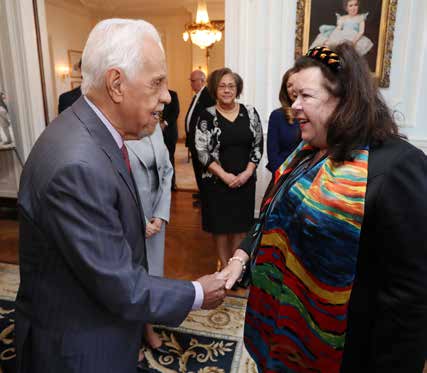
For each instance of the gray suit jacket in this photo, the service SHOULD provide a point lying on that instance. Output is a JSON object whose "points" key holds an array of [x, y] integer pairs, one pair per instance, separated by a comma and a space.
{"points": [[84, 293], [155, 205]]}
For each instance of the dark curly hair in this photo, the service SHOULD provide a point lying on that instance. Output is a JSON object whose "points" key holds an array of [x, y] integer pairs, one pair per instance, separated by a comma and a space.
{"points": [[216, 76], [361, 116]]}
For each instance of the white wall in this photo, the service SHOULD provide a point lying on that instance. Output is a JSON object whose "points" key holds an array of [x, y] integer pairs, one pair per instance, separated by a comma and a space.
{"points": [[408, 90]]}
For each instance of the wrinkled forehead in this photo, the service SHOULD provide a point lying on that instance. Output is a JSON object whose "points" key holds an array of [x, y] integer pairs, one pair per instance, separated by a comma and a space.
{"points": [[152, 50], [153, 57]]}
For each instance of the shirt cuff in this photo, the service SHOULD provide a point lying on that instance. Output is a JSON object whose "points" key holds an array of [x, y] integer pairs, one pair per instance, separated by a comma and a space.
{"points": [[198, 299]]}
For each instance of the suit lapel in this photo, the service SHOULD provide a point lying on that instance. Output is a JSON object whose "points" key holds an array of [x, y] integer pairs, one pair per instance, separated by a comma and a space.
{"points": [[137, 149], [104, 140]]}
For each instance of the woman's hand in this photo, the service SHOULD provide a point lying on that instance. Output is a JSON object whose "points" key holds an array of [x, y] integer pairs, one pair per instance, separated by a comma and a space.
{"points": [[229, 179], [234, 269], [153, 227], [157, 222], [241, 179]]}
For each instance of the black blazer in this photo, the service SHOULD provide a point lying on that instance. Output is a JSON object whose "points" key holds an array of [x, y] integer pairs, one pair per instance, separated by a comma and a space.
{"points": [[68, 98], [170, 114], [387, 323], [205, 100], [85, 293]]}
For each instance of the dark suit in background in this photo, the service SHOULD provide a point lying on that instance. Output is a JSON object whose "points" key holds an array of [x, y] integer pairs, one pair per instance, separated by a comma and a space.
{"points": [[204, 101], [68, 98], [170, 132], [85, 293]]}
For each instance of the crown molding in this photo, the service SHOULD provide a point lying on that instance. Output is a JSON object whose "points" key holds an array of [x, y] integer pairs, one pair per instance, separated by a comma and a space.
{"points": [[137, 8], [72, 6]]}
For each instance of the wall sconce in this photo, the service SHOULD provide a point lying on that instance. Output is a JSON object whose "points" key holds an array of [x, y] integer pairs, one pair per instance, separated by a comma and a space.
{"points": [[63, 71]]}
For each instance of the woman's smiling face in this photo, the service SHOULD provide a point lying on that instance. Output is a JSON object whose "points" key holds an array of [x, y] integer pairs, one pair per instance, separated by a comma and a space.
{"points": [[313, 106], [226, 90]]}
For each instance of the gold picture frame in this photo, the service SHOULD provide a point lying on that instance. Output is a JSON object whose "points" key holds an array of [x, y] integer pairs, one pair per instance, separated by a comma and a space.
{"points": [[74, 58], [380, 24]]}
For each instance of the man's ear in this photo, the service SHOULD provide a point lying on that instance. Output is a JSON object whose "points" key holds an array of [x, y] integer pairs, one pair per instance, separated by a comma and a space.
{"points": [[114, 83]]}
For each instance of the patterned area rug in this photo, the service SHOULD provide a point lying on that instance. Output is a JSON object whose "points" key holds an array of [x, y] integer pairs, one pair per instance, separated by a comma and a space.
{"points": [[206, 342]]}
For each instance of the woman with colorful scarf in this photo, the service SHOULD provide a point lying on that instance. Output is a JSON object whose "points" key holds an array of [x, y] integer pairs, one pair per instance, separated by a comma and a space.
{"points": [[338, 259]]}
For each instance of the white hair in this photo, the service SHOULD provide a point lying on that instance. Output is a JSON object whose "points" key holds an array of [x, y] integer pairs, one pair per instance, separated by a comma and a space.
{"points": [[115, 43]]}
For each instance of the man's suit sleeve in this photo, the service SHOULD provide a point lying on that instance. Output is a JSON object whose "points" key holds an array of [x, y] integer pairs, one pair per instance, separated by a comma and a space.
{"points": [[400, 326], [87, 228]]}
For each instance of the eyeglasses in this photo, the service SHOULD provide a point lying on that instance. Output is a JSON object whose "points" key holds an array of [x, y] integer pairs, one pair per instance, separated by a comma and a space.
{"points": [[231, 87], [195, 80]]}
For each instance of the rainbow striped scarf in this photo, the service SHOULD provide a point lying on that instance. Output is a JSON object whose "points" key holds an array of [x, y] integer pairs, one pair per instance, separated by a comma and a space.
{"points": [[305, 266]]}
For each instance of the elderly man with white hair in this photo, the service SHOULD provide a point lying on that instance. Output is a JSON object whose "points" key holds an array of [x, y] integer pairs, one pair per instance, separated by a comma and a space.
{"points": [[85, 293]]}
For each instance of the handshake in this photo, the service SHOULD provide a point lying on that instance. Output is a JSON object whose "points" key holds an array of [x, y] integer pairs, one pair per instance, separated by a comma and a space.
{"points": [[214, 285]]}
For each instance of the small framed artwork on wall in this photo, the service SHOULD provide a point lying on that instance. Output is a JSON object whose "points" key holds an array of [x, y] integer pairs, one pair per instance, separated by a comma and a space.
{"points": [[74, 58]]}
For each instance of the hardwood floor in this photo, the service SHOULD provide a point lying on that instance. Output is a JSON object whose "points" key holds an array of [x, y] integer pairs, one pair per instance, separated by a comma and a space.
{"points": [[189, 251], [9, 241]]}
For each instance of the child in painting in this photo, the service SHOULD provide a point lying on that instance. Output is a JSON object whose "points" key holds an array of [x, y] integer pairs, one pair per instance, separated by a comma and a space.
{"points": [[350, 27]]}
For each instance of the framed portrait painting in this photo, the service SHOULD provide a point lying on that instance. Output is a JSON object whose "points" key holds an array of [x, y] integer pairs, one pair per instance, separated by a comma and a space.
{"points": [[74, 58], [368, 24]]}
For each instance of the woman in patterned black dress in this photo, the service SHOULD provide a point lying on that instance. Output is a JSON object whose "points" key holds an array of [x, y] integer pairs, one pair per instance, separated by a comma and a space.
{"points": [[229, 145]]}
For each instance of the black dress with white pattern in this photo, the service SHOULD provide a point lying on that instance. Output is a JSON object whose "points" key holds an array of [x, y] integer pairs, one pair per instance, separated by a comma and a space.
{"points": [[224, 209]]}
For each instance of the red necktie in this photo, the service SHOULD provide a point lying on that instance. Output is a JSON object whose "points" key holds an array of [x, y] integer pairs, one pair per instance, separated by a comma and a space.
{"points": [[126, 157]]}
